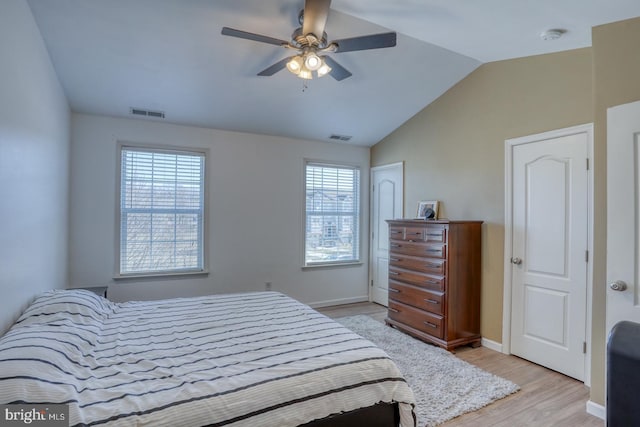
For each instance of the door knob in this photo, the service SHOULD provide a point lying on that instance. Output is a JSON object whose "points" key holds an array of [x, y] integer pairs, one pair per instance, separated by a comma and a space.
{"points": [[516, 261], [618, 285]]}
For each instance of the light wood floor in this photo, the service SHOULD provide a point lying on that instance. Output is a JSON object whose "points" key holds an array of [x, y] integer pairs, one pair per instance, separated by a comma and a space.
{"points": [[546, 398]]}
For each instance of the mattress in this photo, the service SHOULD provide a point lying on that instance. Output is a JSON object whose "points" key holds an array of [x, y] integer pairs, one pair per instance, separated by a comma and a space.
{"points": [[246, 359]]}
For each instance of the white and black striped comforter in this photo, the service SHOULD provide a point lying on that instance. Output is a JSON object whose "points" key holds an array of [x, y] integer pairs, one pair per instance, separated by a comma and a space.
{"points": [[253, 359]]}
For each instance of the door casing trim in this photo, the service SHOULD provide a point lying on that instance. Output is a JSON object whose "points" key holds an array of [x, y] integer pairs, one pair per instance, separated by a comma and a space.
{"points": [[509, 144]]}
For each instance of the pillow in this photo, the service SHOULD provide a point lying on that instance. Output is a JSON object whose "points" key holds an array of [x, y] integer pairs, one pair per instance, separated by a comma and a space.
{"points": [[78, 306]]}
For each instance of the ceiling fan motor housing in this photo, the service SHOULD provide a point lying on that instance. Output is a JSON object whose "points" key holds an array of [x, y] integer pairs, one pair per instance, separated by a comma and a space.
{"points": [[301, 40]]}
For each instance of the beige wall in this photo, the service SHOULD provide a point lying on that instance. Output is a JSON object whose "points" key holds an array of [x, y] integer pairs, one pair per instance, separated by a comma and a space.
{"points": [[616, 65], [454, 149]]}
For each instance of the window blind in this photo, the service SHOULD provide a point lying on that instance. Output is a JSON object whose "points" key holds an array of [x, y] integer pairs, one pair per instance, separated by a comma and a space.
{"points": [[161, 211], [332, 214]]}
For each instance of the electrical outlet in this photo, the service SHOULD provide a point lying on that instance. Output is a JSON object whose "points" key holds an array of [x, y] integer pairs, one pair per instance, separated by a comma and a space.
{"points": [[267, 286]]}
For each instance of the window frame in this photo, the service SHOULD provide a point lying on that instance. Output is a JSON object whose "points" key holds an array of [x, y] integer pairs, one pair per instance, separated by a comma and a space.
{"points": [[359, 214], [170, 149]]}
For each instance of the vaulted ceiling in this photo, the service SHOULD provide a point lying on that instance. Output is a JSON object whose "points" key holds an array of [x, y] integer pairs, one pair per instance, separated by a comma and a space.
{"points": [[170, 56]]}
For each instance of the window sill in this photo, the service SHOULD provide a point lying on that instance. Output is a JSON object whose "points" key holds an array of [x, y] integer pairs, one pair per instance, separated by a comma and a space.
{"points": [[332, 265], [159, 275]]}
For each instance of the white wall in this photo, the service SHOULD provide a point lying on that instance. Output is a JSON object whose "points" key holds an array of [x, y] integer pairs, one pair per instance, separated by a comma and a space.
{"points": [[255, 212], [34, 155]]}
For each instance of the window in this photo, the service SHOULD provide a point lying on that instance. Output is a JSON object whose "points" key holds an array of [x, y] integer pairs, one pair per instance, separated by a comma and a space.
{"points": [[332, 206], [161, 211]]}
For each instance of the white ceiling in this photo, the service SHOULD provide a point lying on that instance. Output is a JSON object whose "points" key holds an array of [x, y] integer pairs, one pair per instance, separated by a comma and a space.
{"points": [[169, 55]]}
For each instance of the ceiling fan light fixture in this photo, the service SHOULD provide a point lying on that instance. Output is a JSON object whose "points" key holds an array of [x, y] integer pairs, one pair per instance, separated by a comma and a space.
{"points": [[312, 61], [324, 69], [306, 64], [305, 74], [295, 65]]}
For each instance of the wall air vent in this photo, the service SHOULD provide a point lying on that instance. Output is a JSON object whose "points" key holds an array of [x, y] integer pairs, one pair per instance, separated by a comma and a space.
{"points": [[336, 137], [147, 113]]}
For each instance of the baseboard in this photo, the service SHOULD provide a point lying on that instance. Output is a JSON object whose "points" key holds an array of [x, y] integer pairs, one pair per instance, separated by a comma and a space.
{"points": [[596, 410], [491, 345], [341, 301]]}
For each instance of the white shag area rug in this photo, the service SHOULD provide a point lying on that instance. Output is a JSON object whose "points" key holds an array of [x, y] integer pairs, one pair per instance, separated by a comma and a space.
{"points": [[444, 386]]}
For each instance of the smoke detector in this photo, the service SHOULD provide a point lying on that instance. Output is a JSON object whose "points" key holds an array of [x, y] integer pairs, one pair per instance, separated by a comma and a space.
{"points": [[553, 34]]}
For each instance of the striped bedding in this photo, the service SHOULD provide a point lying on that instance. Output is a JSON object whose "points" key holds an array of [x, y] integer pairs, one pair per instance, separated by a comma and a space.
{"points": [[252, 359]]}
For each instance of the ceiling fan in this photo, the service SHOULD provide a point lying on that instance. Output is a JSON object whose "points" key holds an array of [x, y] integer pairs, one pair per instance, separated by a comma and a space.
{"points": [[310, 42]]}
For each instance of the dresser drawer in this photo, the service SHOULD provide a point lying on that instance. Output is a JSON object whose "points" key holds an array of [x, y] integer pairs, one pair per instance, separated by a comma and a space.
{"points": [[427, 233], [435, 233], [422, 280], [396, 233], [417, 297], [414, 234], [418, 249], [428, 265], [418, 319]]}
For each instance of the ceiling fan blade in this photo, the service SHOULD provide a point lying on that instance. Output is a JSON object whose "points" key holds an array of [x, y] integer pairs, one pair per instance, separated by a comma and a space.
{"points": [[275, 67], [251, 36], [338, 72], [315, 17], [373, 41]]}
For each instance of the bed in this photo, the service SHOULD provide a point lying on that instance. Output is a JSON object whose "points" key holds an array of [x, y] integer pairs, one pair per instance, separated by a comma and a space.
{"points": [[246, 359]]}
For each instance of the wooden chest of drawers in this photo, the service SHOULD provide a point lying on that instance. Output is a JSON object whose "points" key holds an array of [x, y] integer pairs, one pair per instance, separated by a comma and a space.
{"points": [[434, 280]]}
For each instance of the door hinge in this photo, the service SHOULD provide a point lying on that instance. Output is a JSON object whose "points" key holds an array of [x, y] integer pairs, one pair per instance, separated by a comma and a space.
{"points": [[586, 256], [587, 163], [584, 347], [371, 283]]}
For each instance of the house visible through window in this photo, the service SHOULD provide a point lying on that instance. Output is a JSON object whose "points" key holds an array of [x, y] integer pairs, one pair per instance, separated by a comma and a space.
{"points": [[332, 214], [161, 211]]}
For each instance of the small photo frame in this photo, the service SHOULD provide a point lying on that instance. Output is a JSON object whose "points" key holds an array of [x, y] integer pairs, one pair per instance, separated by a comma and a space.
{"points": [[427, 209]]}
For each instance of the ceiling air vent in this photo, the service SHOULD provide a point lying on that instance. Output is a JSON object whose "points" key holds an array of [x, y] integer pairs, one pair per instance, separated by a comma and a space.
{"points": [[336, 137], [147, 113]]}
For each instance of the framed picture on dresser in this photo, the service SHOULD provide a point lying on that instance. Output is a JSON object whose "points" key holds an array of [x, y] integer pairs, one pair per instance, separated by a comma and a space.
{"points": [[427, 209]]}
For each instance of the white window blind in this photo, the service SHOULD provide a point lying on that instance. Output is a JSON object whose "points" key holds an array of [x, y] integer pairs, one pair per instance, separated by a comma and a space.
{"points": [[161, 211], [332, 214]]}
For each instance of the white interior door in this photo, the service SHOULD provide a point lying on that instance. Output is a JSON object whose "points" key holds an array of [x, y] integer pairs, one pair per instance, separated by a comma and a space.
{"points": [[549, 250], [387, 198], [623, 213]]}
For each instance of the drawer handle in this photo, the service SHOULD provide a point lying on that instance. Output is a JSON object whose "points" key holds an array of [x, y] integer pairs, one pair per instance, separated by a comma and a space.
{"points": [[396, 231], [394, 290], [429, 265], [432, 301], [431, 324], [394, 273], [393, 310], [434, 250], [415, 234], [394, 259], [434, 235], [395, 245], [412, 241]]}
